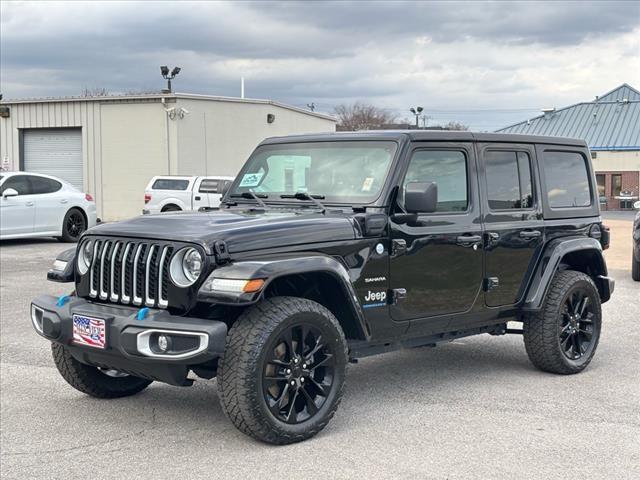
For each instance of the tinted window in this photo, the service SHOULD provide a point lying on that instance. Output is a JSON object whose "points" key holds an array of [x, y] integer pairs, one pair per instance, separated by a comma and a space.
{"points": [[448, 169], [616, 185], [209, 186], [600, 179], [508, 180], [44, 185], [567, 179], [20, 183], [170, 184]]}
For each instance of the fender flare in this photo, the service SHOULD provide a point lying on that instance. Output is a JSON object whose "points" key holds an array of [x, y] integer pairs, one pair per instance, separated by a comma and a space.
{"points": [[67, 274], [549, 264], [279, 266]]}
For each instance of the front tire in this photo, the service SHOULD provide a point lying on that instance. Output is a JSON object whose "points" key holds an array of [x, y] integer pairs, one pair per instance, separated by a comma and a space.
{"points": [[282, 374], [73, 225], [93, 381], [563, 336]]}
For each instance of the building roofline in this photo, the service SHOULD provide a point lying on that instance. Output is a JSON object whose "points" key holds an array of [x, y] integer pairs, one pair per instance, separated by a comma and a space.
{"points": [[593, 102], [159, 96], [617, 88]]}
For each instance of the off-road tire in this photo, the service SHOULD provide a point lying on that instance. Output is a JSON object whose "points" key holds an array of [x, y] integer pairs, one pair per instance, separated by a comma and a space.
{"points": [[91, 380], [635, 268], [70, 234], [241, 368], [541, 329]]}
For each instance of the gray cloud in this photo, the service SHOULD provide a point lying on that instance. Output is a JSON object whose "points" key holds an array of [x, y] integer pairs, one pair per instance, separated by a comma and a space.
{"points": [[450, 56]]}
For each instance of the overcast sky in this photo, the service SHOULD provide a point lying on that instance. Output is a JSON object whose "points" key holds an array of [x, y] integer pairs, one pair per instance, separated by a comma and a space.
{"points": [[486, 64]]}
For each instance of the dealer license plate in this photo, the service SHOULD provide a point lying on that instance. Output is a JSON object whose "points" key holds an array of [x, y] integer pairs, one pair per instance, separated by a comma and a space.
{"points": [[89, 331]]}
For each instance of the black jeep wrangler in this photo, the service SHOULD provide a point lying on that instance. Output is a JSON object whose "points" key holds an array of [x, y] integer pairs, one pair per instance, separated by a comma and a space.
{"points": [[329, 248]]}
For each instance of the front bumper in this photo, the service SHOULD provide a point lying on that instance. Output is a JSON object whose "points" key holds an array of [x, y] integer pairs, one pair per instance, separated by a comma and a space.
{"points": [[128, 340]]}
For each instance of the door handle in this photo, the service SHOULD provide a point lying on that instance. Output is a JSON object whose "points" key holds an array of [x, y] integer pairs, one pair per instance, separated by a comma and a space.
{"points": [[29, 204], [197, 198], [64, 200], [530, 233], [465, 239]]}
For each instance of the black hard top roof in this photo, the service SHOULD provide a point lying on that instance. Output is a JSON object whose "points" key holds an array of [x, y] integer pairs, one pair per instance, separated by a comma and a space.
{"points": [[426, 135]]}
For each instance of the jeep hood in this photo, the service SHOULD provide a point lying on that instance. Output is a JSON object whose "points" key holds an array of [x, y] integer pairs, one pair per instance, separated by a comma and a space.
{"points": [[242, 230]]}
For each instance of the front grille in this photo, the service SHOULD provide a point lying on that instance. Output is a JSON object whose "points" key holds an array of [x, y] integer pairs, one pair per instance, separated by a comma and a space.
{"points": [[130, 272]]}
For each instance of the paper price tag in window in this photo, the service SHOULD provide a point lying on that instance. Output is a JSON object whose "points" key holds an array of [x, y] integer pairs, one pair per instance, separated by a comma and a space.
{"points": [[251, 179], [367, 184]]}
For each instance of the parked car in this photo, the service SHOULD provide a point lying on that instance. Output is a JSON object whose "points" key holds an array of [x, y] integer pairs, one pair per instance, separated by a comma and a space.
{"points": [[635, 258], [36, 205], [329, 248], [173, 193]]}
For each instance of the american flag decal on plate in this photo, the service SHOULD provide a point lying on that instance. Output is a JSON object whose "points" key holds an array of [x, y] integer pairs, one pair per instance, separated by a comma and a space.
{"points": [[88, 331]]}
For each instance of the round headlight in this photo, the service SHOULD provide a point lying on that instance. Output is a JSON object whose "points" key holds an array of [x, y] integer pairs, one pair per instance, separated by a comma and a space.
{"points": [[186, 267], [85, 256]]}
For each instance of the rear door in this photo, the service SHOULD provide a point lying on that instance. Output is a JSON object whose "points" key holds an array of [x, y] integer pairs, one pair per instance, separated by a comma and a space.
{"points": [[201, 192], [514, 229], [17, 214], [436, 257], [51, 202]]}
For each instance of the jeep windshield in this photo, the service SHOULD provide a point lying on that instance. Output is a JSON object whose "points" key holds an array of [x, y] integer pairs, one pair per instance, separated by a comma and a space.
{"points": [[343, 172]]}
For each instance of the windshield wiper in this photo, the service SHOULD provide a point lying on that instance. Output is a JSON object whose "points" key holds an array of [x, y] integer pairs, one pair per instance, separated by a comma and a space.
{"points": [[251, 195], [306, 196]]}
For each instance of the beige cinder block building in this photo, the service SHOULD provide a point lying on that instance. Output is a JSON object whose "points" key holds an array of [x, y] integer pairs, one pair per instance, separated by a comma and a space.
{"points": [[111, 146]]}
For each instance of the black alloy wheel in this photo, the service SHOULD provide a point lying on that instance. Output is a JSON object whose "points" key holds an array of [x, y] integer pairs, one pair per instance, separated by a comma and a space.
{"points": [[298, 374], [562, 337], [576, 324], [73, 225]]}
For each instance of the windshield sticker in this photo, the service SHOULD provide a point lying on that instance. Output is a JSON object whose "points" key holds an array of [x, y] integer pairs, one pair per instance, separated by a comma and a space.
{"points": [[251, 179], [367, 184]]}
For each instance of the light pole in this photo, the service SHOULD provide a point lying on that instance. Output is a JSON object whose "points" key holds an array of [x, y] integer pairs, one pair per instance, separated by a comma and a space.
{"points": [[416, 111], [164, 71]]}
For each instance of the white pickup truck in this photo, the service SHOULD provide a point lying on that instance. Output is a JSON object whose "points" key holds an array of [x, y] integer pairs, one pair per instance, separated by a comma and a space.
{"points": [[175, 193]]}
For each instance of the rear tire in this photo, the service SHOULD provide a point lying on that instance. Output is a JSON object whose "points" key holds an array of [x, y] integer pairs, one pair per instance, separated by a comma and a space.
{"points": [[281, 377], [171, 208], [93, 381], [73, 225], [563, 336], [635, 268]]}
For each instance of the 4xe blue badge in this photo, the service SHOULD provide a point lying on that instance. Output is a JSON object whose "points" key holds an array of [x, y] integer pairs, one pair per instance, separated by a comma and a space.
{"points": [[378, 299]]}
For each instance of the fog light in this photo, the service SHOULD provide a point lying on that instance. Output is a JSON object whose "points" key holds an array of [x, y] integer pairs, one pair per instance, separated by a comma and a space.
{"points": [[163, 343]]}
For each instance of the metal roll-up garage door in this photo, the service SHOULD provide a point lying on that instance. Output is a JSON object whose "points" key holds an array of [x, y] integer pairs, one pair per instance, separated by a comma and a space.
{"points": [[56, 151]]}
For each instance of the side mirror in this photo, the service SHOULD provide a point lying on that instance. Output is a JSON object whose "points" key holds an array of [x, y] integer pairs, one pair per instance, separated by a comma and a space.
{"points": [[9, 192], [637, 205], [421, 197]]}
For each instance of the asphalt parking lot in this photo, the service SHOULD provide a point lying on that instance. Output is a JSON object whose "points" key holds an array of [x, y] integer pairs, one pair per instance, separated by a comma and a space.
{"points": [[474, 408]]}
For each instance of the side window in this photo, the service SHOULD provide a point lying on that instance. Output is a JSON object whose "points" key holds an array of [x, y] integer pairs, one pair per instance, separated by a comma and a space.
{"points": [[508, 180], [209, 186], [567, 179], [448, 169], [170, 184], [20, 183], [43, 185]]}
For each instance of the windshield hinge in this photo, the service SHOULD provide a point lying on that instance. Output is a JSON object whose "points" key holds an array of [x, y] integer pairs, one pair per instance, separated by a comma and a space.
{"points": [[221, 252]]}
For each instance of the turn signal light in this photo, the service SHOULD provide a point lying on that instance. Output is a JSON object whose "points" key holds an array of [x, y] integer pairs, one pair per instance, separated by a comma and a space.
{"points": [[232, 285]]}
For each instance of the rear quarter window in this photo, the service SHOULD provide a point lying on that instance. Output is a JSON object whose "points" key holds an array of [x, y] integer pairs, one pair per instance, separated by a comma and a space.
{"points": [[567, 179], [170, 184]]}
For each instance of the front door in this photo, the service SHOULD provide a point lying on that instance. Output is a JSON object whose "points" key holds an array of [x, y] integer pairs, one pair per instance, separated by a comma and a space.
{"points": [[513, 219], [437, 257], [17, 214]]}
